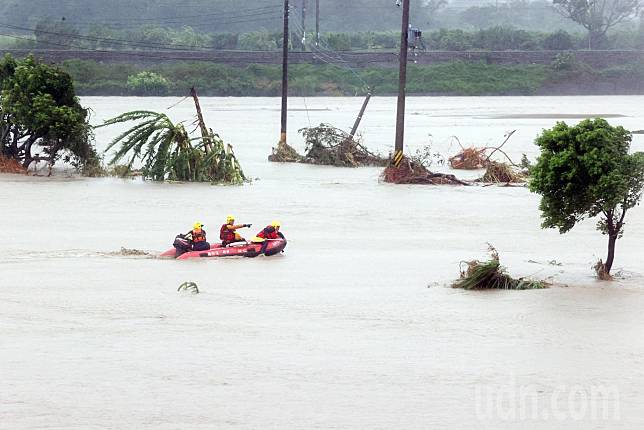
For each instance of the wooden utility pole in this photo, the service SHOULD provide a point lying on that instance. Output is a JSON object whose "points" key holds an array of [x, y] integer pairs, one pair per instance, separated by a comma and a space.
{"points": [[402, 83], [303, 25], [362, 110], [285, 73], [317, 23]]}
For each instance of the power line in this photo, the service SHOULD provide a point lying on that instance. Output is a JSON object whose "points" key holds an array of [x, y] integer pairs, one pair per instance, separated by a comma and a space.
{"points": [[336, 61], [221, 15], [203, 21], [122, 42]]}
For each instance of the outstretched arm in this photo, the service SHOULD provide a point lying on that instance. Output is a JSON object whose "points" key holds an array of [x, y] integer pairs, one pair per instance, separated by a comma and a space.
{"points": [[235, 227]]}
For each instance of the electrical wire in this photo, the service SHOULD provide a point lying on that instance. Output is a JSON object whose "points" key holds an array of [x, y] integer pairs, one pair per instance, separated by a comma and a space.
{"points": [[336, 60], [157, 56], [216, 16], [116, 41]]}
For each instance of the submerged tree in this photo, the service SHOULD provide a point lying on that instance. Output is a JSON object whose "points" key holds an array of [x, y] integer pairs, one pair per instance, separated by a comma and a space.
{"points": [[41, 118], [586, 171], [166, 151]]}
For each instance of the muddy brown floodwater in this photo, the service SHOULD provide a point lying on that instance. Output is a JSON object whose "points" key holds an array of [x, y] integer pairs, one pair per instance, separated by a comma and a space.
{"points": [[354, 326]]}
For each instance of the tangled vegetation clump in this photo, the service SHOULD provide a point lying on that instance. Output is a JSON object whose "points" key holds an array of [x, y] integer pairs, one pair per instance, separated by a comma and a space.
{"points": [[411, 171], [415, 170], [167, 152], [10, 165], [481, 158], [497, 172], [601, 272], [469, 159], [285, 153], [329, 146], [491, 275]]}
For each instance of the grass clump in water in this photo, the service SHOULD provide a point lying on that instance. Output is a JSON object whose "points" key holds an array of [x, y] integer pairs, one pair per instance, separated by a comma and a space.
{"points": [[490, 274]]}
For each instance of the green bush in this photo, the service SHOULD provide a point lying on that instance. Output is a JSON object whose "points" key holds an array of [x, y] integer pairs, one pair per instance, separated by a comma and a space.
{"points": [[258, 41], [565, 61], [559, 41], [148, 84], [338, 41]]}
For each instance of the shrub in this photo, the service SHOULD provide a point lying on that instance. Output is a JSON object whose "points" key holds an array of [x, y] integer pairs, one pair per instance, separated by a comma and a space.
{"points": [[147, 84], [559, 41]]}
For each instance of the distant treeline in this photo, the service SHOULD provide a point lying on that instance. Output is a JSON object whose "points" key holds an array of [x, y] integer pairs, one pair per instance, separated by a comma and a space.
{"points": [[565, 75], [52, 35]]}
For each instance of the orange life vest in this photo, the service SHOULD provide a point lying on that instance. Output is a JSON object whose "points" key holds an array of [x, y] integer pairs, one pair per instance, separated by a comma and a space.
{"points": [[226, 234], [198, 236]]}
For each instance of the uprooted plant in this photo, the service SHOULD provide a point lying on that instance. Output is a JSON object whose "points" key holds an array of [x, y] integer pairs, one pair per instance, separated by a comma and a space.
{"points": [[330, 146], [497, 172], [167, 152], [477, 275], [472, 158]]}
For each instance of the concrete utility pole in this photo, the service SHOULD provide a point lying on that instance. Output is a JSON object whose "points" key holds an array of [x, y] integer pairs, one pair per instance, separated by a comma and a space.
{"points": [[402, 83], [317, 23], [285, 74], [303, 25], [360, 115]]}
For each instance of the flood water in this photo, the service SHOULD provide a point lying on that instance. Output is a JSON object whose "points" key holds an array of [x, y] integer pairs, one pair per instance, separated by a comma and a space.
{"points": [[355, 326]]}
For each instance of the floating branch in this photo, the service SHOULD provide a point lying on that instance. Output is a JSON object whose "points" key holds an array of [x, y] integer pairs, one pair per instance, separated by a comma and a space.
{"points": [[189, 287]]}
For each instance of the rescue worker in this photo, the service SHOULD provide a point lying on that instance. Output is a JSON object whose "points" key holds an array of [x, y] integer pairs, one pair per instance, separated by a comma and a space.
{"points": [[271, 231], [198, 238], [228, 233]]}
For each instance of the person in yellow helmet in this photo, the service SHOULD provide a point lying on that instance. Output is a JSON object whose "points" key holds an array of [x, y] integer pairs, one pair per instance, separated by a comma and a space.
{"points": [[198, 237], [271, 231], [228, 233]]}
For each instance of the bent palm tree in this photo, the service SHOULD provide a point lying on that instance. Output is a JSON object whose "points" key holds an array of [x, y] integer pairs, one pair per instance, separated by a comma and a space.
{"points": [[168, 152]]}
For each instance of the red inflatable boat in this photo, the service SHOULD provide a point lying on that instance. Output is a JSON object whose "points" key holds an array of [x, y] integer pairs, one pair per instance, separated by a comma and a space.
{"points": [[241, 249]]}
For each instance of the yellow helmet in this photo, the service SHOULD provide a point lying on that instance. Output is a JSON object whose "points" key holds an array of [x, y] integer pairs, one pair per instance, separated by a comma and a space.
{"points": [[230, 219], [197, 226], [276, 224]]}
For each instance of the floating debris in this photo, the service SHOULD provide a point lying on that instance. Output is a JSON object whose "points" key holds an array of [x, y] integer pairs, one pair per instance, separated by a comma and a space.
{"points": [[413, 171], [329, 146], [189, 287], [497, 172], [477, 158], [285, 153], [469, 159], [478, 275], [602, 273]]}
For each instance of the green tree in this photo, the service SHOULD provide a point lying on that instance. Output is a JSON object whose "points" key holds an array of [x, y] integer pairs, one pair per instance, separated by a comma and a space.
{"points": [[40, 117], [598, 16], [586, 171], [559, 41]]}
